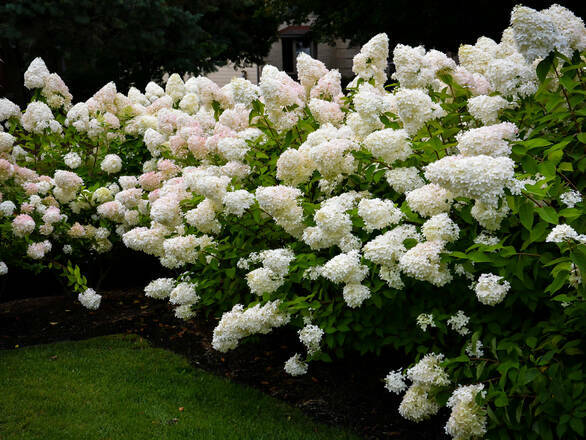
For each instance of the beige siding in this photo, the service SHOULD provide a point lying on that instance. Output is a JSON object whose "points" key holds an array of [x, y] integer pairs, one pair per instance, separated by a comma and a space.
{"points": [[338, 56], [225, 74], [275, 56], [344, 55]]}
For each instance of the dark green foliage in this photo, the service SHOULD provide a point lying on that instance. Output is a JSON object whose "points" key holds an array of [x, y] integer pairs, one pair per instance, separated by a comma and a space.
{"points": [[90, 42]]}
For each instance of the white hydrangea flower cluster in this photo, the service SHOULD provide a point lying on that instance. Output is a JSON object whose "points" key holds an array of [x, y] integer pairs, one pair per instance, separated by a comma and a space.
{"points": [[295, 366], [487, 108], [389, 145], [8, 109], [387, 249], [111, 164], [239, 323], [425, 320], [467, 419], [72, 160], [280, 202], [536, 34], [491, 289], [395, 382], [490, 140], [378, 214], [480, 177], [160, 288], [333, 224], [429, 200], [271, 276], [571, 198], [440, 228], [415, 108], [501, 64], [311, 336], [90, 299], [427, 377], [423, 263], [416, 68], [371, 62], [476, 350], [561, 233], [346, 268], [38, 117], [404, 180], [459, 322]]}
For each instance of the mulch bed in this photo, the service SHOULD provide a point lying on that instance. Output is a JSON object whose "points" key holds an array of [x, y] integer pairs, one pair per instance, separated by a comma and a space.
{"points": [[349, 392]]}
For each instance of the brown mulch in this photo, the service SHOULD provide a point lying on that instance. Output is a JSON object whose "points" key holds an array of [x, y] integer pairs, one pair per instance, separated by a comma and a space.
{"points": [[348, 392]]}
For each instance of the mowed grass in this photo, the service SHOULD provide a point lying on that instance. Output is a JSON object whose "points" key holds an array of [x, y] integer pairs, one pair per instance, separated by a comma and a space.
{"points": [[119, 387]]}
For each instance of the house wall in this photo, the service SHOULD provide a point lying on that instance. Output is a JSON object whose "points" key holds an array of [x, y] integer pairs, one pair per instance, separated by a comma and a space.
{"points": [[225, 74], [338, 56]]}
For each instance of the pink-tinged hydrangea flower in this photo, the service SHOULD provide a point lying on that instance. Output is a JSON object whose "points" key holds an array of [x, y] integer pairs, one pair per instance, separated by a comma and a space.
{"points": [[326, 111], [36, 251], [23, 225], [52, 215], [6, 170], [56, 92], [113, 211], [67, 180], [150, 181], [76, 231]]}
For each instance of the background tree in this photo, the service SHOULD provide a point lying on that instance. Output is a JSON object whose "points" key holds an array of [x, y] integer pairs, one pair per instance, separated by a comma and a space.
{"points": [[90, 43]]}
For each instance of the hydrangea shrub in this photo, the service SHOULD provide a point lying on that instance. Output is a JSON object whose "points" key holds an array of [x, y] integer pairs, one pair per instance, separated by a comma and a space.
{"points": [[440, 215]]}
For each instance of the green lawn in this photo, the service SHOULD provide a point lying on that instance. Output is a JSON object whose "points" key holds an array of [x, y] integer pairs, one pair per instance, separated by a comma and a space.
{"points": [[119, 387]]}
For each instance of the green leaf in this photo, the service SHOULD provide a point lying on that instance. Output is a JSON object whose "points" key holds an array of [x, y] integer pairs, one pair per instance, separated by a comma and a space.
{"points": [[535, 143], [526, 215], [501, 400], [548, 214], [547, 168], [544, 67], [559, 281], [577, 425]]}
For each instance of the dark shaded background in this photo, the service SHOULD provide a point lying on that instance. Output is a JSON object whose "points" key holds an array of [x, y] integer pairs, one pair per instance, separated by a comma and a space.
{"points": [[92, 42]]}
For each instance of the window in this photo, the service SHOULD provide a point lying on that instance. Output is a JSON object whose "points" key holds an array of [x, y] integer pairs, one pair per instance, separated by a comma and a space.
{"points": [[296, 40]]}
